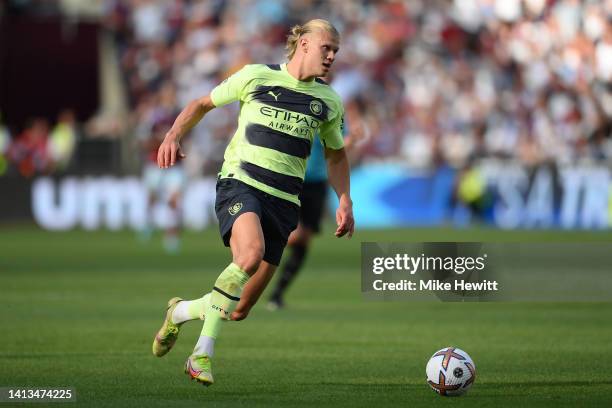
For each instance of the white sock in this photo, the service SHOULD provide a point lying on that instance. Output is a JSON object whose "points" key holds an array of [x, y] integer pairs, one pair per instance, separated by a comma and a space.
{"points": [[181, 313], [205, 345], [188, 310]]}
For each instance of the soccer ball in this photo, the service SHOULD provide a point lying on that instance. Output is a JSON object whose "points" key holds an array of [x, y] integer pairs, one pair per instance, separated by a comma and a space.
{"points": [[450, 372]]}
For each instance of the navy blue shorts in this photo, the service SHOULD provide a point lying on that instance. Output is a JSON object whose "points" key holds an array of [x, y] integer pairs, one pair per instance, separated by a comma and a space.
{"points": [[278, 217], [313, 197]]}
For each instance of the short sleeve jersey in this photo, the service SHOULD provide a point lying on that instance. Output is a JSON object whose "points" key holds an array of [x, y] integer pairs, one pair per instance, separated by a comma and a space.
{"points": [[316, 169], [279, 117]]}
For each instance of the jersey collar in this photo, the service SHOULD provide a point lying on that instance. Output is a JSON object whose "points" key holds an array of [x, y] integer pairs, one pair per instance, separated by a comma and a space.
{"points": [[295, 80]]}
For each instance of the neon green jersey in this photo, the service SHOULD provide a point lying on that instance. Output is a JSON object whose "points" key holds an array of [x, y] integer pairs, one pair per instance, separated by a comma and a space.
{"points": [[279, 117]]}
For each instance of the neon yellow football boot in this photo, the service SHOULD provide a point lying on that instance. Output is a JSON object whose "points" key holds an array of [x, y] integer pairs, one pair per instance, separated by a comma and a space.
{"points": [[167, 335], [199, 368]]}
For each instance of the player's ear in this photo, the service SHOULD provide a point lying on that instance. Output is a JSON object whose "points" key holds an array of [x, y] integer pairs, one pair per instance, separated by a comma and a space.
{"points": [[304, 44]]}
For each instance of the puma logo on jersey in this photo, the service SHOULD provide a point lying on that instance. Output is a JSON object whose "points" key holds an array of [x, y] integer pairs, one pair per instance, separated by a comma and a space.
{"points": [[275, 96]]}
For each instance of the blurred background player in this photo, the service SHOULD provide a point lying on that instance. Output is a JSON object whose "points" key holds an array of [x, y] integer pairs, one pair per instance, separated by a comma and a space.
{"points": [[312, 209], [164, 188]]}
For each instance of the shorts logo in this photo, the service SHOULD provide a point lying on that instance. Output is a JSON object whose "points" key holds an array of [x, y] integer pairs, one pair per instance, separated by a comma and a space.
{"points": [[233, 210], [316, 107]]}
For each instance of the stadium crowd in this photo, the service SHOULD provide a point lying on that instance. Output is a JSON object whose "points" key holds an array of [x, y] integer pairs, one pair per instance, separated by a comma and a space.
{"points": [[427, 82], [39, 148], [431, 81]]}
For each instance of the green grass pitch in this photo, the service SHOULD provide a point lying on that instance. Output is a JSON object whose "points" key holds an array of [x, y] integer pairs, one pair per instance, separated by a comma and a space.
{"points": [[80, 309]]}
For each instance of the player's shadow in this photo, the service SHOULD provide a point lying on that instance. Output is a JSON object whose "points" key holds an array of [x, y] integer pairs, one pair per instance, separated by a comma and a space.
{"points": [[548, 383], [484, 385], [371, 385]]}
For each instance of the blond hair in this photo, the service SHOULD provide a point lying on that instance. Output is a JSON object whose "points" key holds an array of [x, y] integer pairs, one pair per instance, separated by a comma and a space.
{"points": [[297, 31]]}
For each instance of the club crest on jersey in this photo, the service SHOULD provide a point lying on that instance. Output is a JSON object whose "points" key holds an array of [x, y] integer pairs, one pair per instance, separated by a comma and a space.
{"points": [[234, 209], [316, 107]]}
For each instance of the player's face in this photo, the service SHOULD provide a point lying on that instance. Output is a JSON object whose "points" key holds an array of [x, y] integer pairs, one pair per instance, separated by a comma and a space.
{"points": [[321, 51]]}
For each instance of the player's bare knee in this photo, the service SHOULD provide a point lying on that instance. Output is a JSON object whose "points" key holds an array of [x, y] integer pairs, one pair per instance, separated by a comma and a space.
{"points": [[250, 257]]}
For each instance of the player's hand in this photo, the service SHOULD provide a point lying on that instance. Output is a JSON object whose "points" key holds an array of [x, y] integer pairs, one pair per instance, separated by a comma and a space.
{"points": [[169, 152], [344, 218], [238, 316]]}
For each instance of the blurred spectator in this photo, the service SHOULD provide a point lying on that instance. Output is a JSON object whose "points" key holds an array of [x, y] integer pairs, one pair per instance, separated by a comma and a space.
{"points": [[5, 140], [29, 151], [62, 140]]}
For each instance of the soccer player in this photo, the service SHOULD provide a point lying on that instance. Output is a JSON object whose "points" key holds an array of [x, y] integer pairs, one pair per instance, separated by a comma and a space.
{"points": [[282, 107], [164, 187]]}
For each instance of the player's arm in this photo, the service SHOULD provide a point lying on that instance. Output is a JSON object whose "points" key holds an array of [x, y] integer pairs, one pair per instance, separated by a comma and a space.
{"points": [[339, 178], [232, 89], [170, 149]]}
